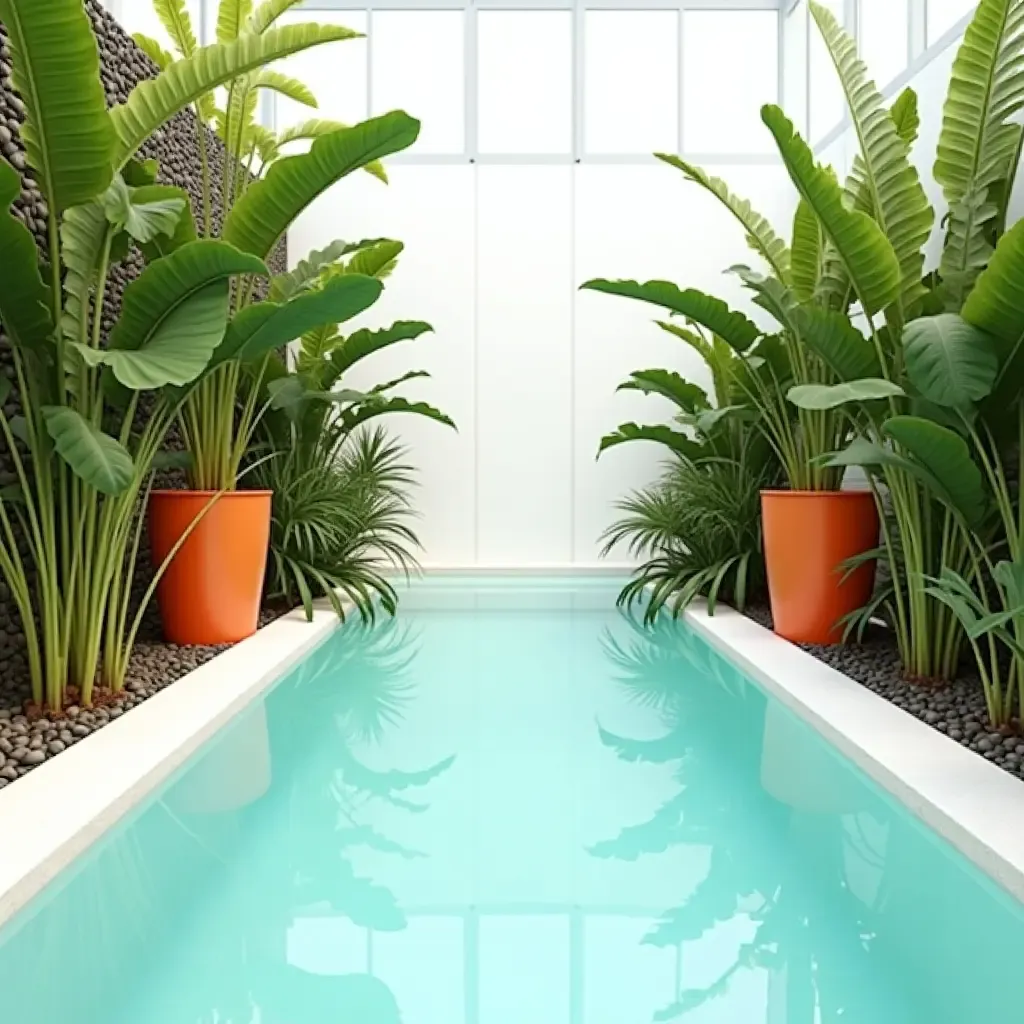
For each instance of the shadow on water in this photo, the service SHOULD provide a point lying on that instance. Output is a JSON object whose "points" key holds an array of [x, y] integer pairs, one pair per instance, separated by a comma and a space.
{"points": [[184, 916], [849, 910]]}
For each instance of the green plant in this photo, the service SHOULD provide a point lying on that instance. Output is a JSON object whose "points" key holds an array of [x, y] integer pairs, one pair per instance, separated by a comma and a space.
{"points": [[772, 362], [924, 446], [342, 512], [86, 444], [340, 521], [858, 251], [262, 190], [698, 529]]}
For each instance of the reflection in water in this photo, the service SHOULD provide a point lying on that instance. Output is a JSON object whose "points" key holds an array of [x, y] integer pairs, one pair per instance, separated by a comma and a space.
{"points": [[208, 834], [832, 885]]}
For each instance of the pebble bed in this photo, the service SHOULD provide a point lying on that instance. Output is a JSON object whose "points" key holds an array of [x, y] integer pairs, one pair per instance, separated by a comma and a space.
{"points": [[27, 743], [956, 709]]}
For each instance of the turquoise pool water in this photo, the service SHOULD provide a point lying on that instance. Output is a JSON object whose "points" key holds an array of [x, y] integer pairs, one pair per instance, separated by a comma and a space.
{"points": [[515, 806]]}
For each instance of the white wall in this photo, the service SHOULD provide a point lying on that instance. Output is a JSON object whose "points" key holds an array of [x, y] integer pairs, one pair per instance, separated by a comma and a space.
{"points": [[497, 248], [526, 364]]}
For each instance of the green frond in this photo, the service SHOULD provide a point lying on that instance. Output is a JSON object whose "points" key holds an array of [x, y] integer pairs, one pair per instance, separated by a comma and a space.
{"points": [[884, 183], [760, 235]]}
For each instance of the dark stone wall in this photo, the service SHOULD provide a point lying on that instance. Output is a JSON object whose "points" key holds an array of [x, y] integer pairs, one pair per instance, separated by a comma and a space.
{"points": [[176, 148]]}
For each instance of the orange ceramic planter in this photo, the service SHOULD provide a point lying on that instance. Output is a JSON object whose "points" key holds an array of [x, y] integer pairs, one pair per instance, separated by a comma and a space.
{"points": [[211, 591], [808, 535]]}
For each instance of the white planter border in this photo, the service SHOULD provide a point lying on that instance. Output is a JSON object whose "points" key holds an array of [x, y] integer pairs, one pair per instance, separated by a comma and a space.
{"points": [[57, 811], [972, 803]]}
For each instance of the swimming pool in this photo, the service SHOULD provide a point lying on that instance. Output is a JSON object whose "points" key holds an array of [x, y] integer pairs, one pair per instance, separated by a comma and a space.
{"points": [[513, 805]]}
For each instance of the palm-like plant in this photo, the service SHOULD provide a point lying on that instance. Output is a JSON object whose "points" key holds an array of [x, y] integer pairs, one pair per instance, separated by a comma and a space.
{"points": [[341, 521], [342, 511], [262, 189], [698, 529], [83, 449]]}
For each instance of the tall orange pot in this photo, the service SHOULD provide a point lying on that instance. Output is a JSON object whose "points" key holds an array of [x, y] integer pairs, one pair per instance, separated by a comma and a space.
{"points": [[211, 591], [808, 535]]}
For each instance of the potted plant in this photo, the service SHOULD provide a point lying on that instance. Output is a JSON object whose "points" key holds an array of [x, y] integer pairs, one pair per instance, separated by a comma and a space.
{"points": [[342, 514], [814, 527], [698, 528], [216, 534], [93, 417], [947, 340]]}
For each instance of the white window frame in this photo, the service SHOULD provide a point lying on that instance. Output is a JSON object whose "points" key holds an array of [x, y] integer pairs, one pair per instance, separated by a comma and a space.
{"points": [[578, 154]]}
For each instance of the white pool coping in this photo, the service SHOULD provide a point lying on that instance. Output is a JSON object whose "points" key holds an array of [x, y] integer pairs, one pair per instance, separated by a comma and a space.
{"points": [[969, 801], [53, 814]]}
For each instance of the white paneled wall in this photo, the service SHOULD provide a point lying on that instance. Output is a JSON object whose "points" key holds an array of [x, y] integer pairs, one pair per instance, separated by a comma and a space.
{"points": [[525, 363], [504, 215]]}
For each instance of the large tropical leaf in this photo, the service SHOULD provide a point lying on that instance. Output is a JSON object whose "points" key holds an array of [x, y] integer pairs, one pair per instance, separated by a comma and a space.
{"points": [[771, 295], [806, 254], [761, 237], [884, 183], [824, 396], [56, 71], [83, 232], [866, 253], [832, 336], [680, 443], [236, 125], [174, 316], [184, 227], [677, 389], [978, 141], [232, 16], [265, 326], [25, 310], [375, 260], [949, 361], [968, 248], [275, 81], [945, 457], [374, 407], [147, 216], [100, 460], [306, 271], [270, 206], [697, 342], [996, 303], [177, 23], [906, 117], [979, 145], [315, 346], [267, 13], [153, 102], [306, 131], [706, 310], [365, 342], [153, 50]]}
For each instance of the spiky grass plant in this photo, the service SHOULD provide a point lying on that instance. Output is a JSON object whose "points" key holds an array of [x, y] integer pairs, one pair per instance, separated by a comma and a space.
{"points": [[342, 521], [698, 532]]}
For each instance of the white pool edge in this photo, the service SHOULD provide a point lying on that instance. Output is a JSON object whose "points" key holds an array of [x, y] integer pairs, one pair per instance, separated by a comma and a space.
{"points": [[970, 802], [57, 811]]}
